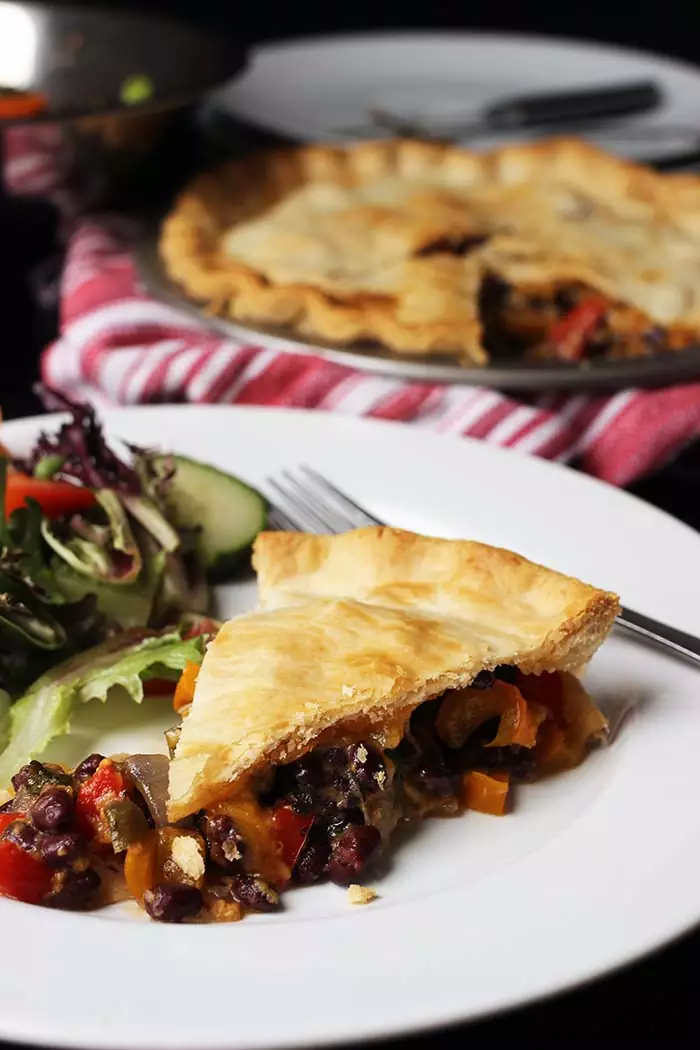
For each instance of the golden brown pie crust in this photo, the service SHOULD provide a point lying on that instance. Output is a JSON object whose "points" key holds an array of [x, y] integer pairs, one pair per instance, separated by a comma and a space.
{"points": [[355, 631], [353, 244]]}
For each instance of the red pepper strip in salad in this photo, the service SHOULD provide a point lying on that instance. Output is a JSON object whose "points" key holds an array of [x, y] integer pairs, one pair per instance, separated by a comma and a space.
{"points": [[54, 497], [570, 334], [22, 876], [290, 830], [103, 786]]}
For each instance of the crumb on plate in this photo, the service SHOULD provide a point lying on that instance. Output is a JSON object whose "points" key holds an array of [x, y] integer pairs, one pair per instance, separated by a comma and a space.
{"points": [[361, 894]]}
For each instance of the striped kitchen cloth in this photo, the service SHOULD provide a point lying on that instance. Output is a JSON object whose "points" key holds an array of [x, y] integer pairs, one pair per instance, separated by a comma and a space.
{"points": [[120, 346]]}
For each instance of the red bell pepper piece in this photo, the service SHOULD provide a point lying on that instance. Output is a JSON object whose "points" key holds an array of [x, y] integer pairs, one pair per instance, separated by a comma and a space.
{"points": [[23, 876], [570, 334], [55, 498], [290, 830], [204, 627], [103, 786], [9, 818]]}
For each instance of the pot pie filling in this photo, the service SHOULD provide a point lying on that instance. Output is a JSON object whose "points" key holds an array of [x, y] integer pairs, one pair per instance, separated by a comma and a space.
{"points": [[93, 836], [317, 725]]}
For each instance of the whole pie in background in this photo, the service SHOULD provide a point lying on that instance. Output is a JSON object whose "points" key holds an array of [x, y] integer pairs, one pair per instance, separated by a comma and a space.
{"points": [[553, 250]]}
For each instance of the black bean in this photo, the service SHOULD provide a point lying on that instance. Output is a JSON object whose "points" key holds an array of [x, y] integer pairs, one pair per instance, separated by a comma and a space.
{"points": [[506, 673], [565, 299], [308, 772], [87, 768], [484, 680], [435, 780], [254, 893], [367, 768], [312, 862], [335, 760], [63, 850], [27, 775], [301, 800], [173, 902], [53, 810], [74, 890], [21, 833], [340, 820], [351, 853], [344, 793], [34, 776], [518, 761], [226, 846]]}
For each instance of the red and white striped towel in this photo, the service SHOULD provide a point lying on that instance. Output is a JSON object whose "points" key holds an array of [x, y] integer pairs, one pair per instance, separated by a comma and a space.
{"points": [[119, 346]]}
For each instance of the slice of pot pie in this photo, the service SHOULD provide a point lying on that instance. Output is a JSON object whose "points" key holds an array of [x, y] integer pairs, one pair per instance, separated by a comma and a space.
{"points": [[387, 677], [550, 250]]}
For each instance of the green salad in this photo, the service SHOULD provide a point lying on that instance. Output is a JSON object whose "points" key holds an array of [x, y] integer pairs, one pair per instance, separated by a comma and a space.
{"points": [[106, 566]]}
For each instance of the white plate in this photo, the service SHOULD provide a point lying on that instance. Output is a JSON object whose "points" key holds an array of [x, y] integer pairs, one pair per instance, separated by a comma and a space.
{"points": [[593, 869], [309, 89]]}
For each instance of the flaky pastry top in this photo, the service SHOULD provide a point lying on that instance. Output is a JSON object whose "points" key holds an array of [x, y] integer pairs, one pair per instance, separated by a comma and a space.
{"points": [[355, 632]]}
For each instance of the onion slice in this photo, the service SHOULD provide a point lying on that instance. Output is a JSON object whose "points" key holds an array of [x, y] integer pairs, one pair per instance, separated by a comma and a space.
{"points": [[149, 774]]}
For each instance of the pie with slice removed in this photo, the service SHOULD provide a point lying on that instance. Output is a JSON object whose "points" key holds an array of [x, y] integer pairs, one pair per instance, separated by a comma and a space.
{"points": [[553, 250]]}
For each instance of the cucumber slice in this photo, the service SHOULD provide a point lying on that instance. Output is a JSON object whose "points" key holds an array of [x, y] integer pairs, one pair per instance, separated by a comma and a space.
{"points": [[229, 513]]}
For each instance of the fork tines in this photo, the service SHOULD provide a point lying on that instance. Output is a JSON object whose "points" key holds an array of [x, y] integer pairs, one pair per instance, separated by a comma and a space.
{"points": [[309, 502]]}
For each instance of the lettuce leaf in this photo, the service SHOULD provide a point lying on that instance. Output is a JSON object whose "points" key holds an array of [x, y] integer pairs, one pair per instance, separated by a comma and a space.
{"points": [[123, 662], [129, 605]]}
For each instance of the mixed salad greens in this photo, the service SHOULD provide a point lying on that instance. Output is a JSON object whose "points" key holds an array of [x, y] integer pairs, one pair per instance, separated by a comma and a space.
{"points": [[106, 562]]}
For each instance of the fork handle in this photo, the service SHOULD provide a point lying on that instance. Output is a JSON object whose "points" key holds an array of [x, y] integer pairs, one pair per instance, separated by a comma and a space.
{"points": [[679, 642]]}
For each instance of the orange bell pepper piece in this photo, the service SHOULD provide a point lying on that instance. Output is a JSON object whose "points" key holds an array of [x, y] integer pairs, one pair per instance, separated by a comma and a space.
{"points": [[464, 710], [486, 792], [184, 690], [139, 866]]}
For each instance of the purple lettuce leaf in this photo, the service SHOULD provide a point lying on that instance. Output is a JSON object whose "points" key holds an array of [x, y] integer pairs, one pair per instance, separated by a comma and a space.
{"points": [[81, 447]]}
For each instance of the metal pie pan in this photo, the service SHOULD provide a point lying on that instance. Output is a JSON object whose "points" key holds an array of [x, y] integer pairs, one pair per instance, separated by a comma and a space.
{"points": [[657, 370]]}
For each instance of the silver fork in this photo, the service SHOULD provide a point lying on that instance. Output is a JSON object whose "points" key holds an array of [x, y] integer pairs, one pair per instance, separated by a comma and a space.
{"points": [[308, 502]]}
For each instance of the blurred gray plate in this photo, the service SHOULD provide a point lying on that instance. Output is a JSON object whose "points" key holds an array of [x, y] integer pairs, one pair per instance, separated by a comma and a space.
{"points": [[659, 370]]}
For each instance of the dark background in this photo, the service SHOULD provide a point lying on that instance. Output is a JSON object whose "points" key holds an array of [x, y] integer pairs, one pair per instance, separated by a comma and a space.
{"points": [[657, 999], [658, 26]]}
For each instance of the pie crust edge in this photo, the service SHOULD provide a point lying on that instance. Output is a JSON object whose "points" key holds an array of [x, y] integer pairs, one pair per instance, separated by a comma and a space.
{"points": [[189, 242]]}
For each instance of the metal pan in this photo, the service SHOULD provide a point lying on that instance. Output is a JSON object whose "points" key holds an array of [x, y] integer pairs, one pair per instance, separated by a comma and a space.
{"points": [[88, 61], [658, 370]]}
